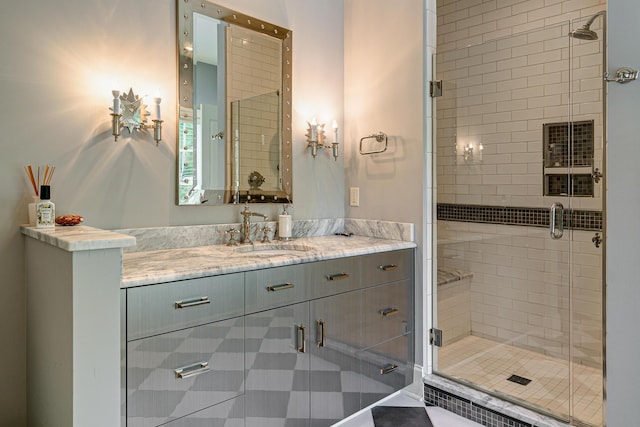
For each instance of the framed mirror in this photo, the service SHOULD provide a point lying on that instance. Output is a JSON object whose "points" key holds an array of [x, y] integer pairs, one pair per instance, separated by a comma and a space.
{"points": [[234, 107]]}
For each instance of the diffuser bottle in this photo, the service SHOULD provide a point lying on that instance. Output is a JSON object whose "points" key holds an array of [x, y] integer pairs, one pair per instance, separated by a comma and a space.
{"points": [[46, 209]]}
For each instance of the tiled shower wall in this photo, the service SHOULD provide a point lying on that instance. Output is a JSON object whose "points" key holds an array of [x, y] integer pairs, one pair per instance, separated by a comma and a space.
{"points": [[520, 286], [508, 67], [499, 93], [257, 121], [253, 73]]}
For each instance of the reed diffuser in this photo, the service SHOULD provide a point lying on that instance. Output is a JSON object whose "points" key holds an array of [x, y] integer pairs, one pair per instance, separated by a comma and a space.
{"points": [[34, 179]]}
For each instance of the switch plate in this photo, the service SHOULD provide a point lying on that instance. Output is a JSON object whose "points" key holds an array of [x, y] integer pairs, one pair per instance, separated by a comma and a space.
{"points": [[354, 196]]}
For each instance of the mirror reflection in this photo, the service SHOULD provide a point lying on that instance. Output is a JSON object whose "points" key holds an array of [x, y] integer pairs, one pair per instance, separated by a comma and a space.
{"points": [[234, 127]]}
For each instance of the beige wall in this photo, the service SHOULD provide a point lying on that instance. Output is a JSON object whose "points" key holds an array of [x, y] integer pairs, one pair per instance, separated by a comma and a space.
{"points": [[383, 81]]}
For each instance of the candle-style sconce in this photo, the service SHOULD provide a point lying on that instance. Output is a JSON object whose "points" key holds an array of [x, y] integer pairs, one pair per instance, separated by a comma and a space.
{"points": [[316, 138], [129, 111]]}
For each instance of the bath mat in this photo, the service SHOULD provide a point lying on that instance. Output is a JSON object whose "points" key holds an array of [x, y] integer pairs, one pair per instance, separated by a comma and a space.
{"points": [[400, 416]]}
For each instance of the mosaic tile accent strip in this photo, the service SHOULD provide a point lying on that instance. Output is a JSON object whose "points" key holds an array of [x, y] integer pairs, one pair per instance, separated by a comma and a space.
{"points": [[528, 217], [469, 410]]}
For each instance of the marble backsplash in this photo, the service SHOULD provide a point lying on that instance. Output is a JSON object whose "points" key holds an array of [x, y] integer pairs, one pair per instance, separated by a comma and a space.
{"points": [[154, 238]]}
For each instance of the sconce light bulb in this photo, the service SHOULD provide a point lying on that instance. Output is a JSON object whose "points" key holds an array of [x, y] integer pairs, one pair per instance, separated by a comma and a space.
{"points": [[481, 147], [335, 132]]}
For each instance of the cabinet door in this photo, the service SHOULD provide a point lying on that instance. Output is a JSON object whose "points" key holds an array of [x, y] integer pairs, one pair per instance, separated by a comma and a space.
{"points": [[386, 368], [174, 374], [277, 362], [335, 377], [387, 312]]}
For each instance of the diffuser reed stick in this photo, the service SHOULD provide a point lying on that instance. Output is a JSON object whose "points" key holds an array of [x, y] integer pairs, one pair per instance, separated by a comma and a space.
{"points": [[35, 182]]}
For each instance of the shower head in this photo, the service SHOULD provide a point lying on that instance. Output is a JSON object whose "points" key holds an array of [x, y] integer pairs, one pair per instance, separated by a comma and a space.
{"points": [[585, 32]]}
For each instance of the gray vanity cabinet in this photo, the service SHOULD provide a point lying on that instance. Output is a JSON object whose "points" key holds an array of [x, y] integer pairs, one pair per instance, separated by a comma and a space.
{"points": [[387, 328], [335, 374], [277, 362], [185, 351], [299, 345]]}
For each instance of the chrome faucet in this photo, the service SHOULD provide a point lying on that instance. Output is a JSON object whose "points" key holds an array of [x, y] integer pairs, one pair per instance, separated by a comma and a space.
{"points": [[246, 223]]}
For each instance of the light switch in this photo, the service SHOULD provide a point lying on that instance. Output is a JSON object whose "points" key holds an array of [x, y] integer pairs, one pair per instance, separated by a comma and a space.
{"points": [[354, 196]]}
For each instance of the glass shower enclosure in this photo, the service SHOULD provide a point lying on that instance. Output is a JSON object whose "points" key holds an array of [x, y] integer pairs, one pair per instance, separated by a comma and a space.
{"points": [[518, 288]]}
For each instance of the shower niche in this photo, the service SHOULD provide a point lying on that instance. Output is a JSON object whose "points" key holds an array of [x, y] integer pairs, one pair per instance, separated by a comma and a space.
{"points": [[568, 158]]}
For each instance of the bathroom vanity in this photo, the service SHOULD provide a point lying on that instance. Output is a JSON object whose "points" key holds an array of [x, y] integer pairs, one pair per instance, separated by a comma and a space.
{"points": [[304, 333]]}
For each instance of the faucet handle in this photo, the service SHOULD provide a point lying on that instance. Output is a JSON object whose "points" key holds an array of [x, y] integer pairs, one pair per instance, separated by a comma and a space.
{"points": [[265, 234], [232, 237]]}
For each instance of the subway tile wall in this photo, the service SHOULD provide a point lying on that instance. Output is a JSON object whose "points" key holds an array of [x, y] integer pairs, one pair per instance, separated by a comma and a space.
{"points": [[257, 120], [520, 286], [508, 67], [254, 74]]}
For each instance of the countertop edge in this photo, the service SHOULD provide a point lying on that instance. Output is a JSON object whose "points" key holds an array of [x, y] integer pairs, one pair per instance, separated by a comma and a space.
{"points": [[251, 264], [79, 237]]}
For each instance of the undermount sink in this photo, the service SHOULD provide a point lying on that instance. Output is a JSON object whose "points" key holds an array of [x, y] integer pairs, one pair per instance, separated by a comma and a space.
{"points": [[272, 249]]}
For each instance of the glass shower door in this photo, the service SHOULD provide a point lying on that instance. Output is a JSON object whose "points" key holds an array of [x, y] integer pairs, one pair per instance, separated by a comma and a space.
{"points": [[516, 209]]}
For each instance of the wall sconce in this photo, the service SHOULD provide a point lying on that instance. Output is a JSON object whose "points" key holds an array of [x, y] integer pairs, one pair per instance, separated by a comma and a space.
{"points": [[316, 138], [130, 112], [468, 154]]}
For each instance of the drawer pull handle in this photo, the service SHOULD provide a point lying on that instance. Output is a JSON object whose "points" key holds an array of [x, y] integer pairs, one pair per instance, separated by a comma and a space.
{"points": [[192, 370], [282, 287], [338, 276], [301, 339], [192, 302], [322, 333], [388, 267], [388, 369], [389, 312]]}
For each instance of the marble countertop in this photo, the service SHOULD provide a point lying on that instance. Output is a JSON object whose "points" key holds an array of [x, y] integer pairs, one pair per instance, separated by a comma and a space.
{"points": [[79, 237], [167, 265]]}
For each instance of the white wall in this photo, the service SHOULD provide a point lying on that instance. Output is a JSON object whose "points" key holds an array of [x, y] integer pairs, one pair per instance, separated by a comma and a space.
{"points": [[384, 57], [58, 65], [623, 257]]}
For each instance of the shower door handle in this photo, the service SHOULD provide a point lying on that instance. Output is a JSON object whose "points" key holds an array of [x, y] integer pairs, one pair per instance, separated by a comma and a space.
{"points": [[556, 231]]}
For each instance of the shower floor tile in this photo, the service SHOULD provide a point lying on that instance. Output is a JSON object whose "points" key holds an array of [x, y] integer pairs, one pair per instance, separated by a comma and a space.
{"points": [[488, 364]]}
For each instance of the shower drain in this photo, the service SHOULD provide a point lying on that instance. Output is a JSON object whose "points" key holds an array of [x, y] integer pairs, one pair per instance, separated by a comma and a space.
{"points": [[518, 379]]}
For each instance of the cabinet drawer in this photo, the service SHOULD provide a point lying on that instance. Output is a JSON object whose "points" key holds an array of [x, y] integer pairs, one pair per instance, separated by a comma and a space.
{"points": [[388, 368], [386, 312], [225, 414], [276, 287], [168, 307], [387, 267], [334, 276], [174, 374]]}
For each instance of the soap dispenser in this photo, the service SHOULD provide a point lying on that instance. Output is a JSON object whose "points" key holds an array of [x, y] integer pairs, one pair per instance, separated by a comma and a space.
{"points": [[284, 224]]}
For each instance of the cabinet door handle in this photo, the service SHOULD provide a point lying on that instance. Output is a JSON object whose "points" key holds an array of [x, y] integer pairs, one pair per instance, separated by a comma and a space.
{"points": [[301, 339], [387, 369], [389, 311], [338, 276], [388, 267], [322, 332], [281, 287], [192, 370], [192, 302]]}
